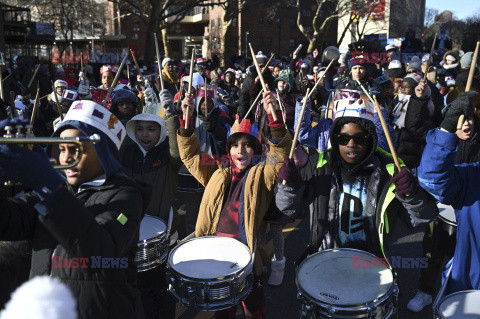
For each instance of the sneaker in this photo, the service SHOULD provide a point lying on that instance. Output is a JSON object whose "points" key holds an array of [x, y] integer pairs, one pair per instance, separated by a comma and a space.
{"points": [[419, 302]]}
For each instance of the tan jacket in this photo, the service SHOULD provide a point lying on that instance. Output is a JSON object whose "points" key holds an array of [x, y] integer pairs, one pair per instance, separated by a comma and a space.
{"points": [[258, 191]]}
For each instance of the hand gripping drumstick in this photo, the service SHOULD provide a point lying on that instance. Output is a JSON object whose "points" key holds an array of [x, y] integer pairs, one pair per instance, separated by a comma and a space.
{"points": [[136, 65], [384, 126], [469, 83], [185, 116], [297, 130], [254, 103], [158, 61], [110, 90], [259, 72]]}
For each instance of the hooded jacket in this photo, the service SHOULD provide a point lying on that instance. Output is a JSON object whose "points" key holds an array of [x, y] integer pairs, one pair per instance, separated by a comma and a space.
{"points": [[259, 183], [157, 167], [455, 185], [87, 236], [323, 183]]}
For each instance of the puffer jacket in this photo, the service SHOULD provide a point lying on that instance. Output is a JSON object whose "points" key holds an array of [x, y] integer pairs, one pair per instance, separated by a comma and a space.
{"points": [[99, 223], [258, 189]]}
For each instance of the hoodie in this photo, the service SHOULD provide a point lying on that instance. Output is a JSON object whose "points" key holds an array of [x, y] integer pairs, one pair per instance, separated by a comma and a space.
{"points": [[157, 167]]}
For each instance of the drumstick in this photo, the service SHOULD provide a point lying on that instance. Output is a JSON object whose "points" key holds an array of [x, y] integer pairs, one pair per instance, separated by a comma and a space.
{"points": [[110, 90], [259, 72], [128, 75], [136, 65], [430, 56], [3, 80], [297, 130], [254, 103], [320, 78], [158, 61], [33, 77], [57, 103], [469, 83], [35, 106], [268, 62], [185, 116], [281, 107]]}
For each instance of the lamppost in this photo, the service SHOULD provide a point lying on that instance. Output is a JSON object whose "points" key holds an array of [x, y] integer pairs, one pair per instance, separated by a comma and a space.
{"points": [[246, 44]]}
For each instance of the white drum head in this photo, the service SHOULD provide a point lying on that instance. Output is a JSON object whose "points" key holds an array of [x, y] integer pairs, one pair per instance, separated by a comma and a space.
{"points": [[209, 257], [151, 227], [461, 305], [330, 276], [447, 212]]}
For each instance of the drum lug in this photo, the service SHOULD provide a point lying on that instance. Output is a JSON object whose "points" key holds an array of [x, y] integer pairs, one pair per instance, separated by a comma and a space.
{"points": [[331, 311], [370, 313]]}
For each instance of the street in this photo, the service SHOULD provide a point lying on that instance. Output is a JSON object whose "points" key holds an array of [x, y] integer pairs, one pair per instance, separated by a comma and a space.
{"points": [[282, 301]]}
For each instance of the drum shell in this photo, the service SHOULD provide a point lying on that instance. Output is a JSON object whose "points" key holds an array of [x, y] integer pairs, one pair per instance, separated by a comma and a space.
{"points": [[381, 308], [445, 233], [437, 312], [151, 252], [209, 294]]}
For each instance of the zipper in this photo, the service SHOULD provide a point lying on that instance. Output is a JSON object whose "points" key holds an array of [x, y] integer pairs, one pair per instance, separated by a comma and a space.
{"points": [[51, 258]]}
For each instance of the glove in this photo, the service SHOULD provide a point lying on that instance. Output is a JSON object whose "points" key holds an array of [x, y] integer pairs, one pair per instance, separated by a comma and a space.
{"points": [[289, 172], [31, 168], [405, 183], [166, 101], [463, 104]]}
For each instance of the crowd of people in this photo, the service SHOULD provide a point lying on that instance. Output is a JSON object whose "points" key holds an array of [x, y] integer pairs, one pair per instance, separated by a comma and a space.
{"points": [[208, 153]]}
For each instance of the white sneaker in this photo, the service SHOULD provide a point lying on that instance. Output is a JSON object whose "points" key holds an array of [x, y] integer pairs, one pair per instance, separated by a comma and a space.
{"points": [[278, 270], [419, 302]]}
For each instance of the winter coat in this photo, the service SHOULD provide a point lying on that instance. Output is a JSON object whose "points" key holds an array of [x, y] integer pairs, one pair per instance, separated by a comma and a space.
{"points": [[99, 223], [259, 183], [458, 186], [319, 196], [411, 138], [157, 167], [462, 77]]}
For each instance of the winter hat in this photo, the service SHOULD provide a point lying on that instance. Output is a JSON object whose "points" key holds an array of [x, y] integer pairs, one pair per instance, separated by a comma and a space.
{"points": [[42, 297], [359, 60], [59, 83], [395, 69], [415, 63], [196, 81], [466, 60], [165, 61], [123, 95], [390, 47], [60, 69], [425, 58], [261, 58], [395, 64], [285, 76], [450, 58], [413, 79], [450, 80], [150, 118], [107, 68], [345, 108]]}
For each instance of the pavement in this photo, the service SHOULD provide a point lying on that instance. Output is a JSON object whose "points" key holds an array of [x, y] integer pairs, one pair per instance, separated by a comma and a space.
{"points": [[282, 301]]}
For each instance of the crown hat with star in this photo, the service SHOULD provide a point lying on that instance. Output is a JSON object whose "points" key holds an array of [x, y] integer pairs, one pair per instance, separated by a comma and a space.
{"points": [[244, 126], [99, 117], [354, 108]]}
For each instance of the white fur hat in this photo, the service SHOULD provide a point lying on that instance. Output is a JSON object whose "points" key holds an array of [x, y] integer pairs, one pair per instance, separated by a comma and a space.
{"points": [[41, 298], [165, 61], [261, 58], [395, 64], [343, 108], [97, 116]]}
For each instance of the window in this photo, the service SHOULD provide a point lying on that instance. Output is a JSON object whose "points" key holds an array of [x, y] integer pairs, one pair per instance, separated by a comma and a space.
{"points": [[292, 22], [178, 28], [135, 36], [212, 23], [136, 26], [219, 22], [234, 22], [306, 12]]}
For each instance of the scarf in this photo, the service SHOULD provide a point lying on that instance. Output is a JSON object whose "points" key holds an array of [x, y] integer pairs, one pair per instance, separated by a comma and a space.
{"points": [[400, 110]]}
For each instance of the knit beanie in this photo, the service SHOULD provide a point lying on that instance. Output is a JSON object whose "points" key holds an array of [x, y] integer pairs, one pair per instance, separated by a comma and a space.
{"points": [[413, 79], [415, 63], [466, 60]]}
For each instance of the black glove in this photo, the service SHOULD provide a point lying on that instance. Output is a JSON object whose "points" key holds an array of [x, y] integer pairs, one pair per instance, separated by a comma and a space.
{"points": [[463, 104]]}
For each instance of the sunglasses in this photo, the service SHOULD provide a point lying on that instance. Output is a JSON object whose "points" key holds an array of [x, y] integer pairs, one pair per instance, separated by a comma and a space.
{"points": [[358, 139]]}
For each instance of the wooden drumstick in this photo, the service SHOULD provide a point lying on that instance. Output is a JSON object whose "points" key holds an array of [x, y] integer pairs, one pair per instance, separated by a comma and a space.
{"points": [[57, 103], [254, 103], [110, 90], [384, 126], [35, 106], [185, 116], [297, 130], [33, 77], [136, 65], [159, 62], [281, 107], [461, 118], [320, 78], [268, 62], [264, 86]]}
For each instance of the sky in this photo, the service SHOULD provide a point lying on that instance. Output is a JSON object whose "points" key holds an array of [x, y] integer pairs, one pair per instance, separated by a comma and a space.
{"points": [[461, 8]]}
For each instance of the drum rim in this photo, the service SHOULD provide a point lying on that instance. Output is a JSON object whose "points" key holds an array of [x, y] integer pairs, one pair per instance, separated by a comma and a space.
{"points": [[159, 237], [235, 274], [446, 221], [380, 300], [437, 310]]}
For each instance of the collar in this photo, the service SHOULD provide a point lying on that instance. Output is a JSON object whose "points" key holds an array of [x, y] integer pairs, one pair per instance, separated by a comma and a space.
{"points": [[98, 181]]}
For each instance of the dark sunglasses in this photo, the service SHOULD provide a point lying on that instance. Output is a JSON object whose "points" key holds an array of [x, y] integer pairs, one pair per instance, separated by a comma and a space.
{"points": [[358, 139]]}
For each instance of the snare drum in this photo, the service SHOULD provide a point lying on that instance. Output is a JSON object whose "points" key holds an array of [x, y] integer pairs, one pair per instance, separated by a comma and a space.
{"points": [[152, 248], [210, 273], [459, 305], [446, 230], [336, 283]]}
